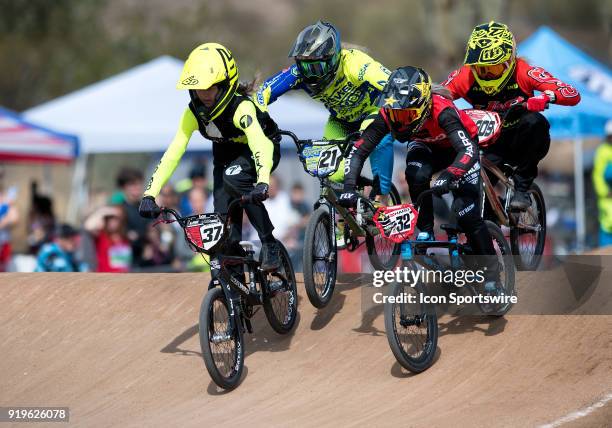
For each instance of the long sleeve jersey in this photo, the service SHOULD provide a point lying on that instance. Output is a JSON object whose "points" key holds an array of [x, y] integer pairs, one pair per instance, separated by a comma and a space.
{"points": [[240, 123], [351, 96]]}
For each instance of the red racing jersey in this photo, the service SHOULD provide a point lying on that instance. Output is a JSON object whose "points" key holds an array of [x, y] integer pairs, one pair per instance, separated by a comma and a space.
{"points": [[524, 81], [446, 126]]}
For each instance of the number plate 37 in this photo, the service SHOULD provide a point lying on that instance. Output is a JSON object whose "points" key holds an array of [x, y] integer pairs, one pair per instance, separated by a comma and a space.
{"points": [[205, 233]]}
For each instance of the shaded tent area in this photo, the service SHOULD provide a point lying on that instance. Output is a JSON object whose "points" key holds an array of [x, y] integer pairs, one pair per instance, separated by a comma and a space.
{"points": [[593, 80], [130, 119]]}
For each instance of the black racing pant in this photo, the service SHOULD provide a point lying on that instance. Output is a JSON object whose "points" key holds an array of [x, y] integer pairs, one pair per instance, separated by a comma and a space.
{"points": [[523, 146], [422, 162], [235, 175]]}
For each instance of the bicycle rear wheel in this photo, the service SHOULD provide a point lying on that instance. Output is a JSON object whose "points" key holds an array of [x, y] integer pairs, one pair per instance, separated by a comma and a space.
{"points": [[222, 346], [507, 269], [528, 238], [280, 298], [320, 258], [383, 253], [411, 327]]}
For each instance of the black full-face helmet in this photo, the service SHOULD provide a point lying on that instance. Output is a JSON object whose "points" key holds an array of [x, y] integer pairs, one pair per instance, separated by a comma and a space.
{"points": [[317, 54], [406, 99]]}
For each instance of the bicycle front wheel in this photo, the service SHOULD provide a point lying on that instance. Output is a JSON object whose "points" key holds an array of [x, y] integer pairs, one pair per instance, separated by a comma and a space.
{"points": [[222, 345], [411, 327], [320, 258], [507, 270]]}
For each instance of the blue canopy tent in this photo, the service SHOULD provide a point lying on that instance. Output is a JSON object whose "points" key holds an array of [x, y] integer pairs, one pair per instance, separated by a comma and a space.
{"points": [[593, 80]]}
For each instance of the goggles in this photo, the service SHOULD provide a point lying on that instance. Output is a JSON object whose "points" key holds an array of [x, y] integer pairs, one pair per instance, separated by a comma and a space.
{"points": [[403, 117], [313, 68], [490, 72]]}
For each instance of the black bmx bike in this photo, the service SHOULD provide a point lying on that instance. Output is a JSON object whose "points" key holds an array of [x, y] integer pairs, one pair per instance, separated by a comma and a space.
{"points": [[409, 310], [527, 227], [237, 288], [321, 159]]}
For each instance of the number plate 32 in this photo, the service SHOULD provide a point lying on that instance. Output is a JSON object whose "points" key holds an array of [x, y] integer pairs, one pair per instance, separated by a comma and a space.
{"points": [[396, 223]]}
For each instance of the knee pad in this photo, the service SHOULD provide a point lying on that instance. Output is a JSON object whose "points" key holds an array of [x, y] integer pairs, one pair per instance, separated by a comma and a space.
{"points": [[418, 174]]}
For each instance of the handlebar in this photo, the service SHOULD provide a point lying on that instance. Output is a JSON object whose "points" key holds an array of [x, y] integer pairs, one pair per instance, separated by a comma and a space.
{"points": [[177, 217], [453, 186], [299, 143]]}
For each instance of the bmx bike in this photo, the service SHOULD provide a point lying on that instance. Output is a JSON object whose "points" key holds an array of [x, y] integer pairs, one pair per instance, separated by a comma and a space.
{"points": [[237, 288], [321, 159]]}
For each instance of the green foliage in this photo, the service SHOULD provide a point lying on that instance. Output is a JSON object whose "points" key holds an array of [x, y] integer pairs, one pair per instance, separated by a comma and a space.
{"points": [[51, 47]]}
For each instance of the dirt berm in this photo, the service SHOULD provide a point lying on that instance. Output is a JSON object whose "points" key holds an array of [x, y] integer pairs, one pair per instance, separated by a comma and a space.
{"points": [[123, 350]]}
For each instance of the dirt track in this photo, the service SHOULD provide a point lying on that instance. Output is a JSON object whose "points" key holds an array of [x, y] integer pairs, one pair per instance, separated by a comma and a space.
{"points": [[123, 351]]}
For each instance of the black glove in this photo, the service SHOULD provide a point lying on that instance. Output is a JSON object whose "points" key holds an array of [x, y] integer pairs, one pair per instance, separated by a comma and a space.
{"points": [[444, 183], [348, 199], [259, 193], [148, 208]]}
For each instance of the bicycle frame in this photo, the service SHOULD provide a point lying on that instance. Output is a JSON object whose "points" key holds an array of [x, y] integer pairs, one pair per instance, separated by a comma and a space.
{"points": [[499, 210], [327, 195]]}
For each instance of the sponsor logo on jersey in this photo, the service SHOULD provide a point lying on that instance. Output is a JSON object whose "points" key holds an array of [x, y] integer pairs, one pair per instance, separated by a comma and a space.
{"points": [[245, 121], [233, 170]]}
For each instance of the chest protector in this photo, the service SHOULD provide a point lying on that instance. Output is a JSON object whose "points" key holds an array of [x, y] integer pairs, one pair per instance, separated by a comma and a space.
{"points": [[222, 129], [500, 101]]}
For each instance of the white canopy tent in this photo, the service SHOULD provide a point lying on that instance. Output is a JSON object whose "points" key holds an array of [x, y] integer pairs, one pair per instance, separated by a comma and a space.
{"points": [[138, 110]]}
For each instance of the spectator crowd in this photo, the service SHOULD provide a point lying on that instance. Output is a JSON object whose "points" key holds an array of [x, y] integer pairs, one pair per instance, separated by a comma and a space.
{"points": [[114, 238]]}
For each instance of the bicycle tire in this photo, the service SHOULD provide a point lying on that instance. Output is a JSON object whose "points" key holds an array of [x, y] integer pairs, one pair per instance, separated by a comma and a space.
{"points": [[515, 235], [508, 267], [286, 325], [375, 259], [319, 292], [426, 316], [207, 324]]}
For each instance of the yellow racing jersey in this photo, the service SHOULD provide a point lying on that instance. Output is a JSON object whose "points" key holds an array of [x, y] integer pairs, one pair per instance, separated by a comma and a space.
{"points": [[240, 123], [351, 96]]}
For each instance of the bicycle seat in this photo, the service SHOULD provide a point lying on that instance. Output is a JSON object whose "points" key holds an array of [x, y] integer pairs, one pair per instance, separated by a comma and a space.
{"points": [[452, 228]]}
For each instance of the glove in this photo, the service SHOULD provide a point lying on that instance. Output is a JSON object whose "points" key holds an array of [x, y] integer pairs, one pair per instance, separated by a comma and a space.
{"points": [[148, 208], [538, 103], [348, 199], [259, 193], [443, 184]]}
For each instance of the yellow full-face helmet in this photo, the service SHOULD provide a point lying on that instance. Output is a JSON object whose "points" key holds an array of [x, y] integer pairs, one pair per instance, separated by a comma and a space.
{"points": [[491, 54], [207, 65]]}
